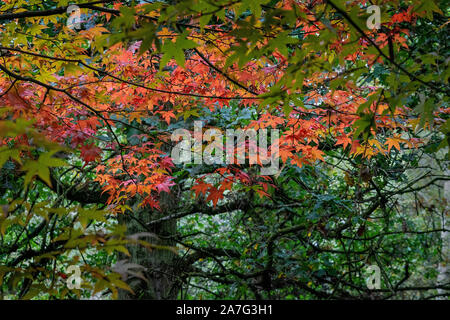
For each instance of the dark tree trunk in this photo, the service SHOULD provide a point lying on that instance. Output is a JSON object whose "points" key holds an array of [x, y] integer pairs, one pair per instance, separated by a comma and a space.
{"points": [[162, 281]]}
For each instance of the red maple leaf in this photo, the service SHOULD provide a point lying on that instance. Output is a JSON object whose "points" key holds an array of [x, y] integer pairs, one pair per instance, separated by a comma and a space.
{"points": [[201, 187], [165, 186], [214, 195], [90, 152]]}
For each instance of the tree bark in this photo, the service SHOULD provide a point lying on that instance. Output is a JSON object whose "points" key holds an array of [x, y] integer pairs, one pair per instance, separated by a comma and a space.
{"points": [[444, 269], [162, 281]]}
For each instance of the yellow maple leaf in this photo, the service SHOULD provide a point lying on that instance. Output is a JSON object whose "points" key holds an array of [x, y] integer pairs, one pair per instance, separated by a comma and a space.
{"points": [[393, 142]]}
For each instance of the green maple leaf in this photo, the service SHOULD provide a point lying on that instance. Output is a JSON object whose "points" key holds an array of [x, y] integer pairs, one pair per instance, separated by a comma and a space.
{"points": [[176, 50]]}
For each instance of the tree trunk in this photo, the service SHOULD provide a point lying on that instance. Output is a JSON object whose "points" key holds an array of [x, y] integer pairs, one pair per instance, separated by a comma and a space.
{"points": [[160, 272], [444, 268]]}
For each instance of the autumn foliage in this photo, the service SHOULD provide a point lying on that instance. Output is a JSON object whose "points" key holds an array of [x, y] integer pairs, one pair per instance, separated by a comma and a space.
{"points": [[87, 116]]}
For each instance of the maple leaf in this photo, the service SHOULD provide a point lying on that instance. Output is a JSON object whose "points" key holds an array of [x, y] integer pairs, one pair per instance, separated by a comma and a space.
{"points": [[201, 187], [317, 154], [165, 186], [90, 152], [261, 193], [175, 50], [285, 153], [167, 115], [343, 140], [393, 142], [226, 185], [214, 195]]}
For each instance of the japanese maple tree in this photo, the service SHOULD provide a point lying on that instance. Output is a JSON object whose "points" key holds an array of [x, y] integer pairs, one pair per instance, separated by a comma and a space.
{"points": [[88, 178]]}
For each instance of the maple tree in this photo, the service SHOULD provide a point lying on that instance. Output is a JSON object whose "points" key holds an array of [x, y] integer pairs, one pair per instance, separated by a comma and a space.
{"points": [[88, 179]]}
